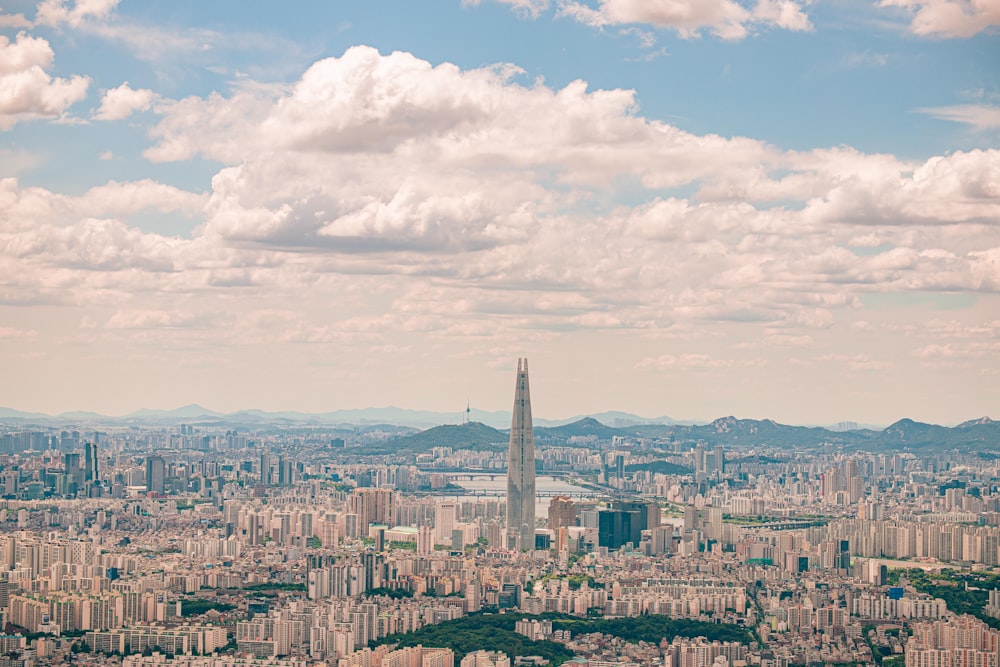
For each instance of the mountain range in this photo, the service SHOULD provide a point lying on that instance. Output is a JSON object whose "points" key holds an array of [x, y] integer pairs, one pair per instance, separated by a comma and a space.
{"points": [[975, 435], [480, 430], [421, 419]]}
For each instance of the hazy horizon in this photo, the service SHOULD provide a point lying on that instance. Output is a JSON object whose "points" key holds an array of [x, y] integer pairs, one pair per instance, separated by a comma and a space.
{"points": [[458, 416]]}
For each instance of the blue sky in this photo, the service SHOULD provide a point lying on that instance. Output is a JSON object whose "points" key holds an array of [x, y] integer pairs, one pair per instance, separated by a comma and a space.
{"points": [[773, 208]]}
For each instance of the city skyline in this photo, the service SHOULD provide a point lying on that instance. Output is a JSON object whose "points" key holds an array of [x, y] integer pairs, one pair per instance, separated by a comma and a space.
{"points": [[764, 208]]}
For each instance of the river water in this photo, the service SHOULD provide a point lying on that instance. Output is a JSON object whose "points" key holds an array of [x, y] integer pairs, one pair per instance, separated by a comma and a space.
{"points": [[483, 485]]}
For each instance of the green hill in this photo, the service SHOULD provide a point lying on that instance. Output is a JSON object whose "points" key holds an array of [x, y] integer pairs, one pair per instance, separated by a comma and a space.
{"points": [[495, 632], [473, 435], [588, 426]]}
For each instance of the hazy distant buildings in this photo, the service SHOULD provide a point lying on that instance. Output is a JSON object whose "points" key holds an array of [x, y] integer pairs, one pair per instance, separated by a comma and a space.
{"points": [[521, 467]]}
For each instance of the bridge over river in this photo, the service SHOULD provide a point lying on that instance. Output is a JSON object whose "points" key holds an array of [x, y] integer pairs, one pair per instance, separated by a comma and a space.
{"points": [[492, 482], [492, 473]]}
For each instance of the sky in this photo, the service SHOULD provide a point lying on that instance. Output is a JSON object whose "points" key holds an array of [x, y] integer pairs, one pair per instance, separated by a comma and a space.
{"points": [[690, 208]]}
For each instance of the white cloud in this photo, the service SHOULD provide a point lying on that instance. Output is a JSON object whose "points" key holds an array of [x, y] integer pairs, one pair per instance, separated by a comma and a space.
{"points": [[26, 90], [690, 360], [13, 333], [857, 362], [726, 19], [782, 14], [23, 208], [459, 204], [152, 319], [14, 21], [949, 18], [469, 176], [979, 116], [54, 13], [123, 101]]}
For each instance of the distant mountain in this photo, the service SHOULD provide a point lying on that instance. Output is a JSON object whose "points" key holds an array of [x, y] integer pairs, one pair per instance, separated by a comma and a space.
{"points": [[974, 434], [81, 416], [613, 418], [981, 434], [9, 413], [473, 436], [421, 419], [588, 426], [905, 434], [982, 421], [192, 411]]}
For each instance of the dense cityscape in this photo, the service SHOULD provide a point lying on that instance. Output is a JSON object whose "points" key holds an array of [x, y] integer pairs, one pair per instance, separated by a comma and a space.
{"points": [[751, 247], [201, 546]]}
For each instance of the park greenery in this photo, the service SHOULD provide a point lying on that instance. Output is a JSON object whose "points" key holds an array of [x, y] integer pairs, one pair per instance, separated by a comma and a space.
{"points": [[394, 593], [881, 653], [495, 632], [402, 544], [197, 606], [964, 592], [481, 632], [276, 586], [575, 581]]}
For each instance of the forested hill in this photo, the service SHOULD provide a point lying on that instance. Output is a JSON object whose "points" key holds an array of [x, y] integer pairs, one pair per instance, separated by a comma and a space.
{"points": [[495, 632]]}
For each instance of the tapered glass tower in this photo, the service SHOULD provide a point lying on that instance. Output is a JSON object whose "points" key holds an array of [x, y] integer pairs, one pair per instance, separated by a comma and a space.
{"points": [[521, 467]]}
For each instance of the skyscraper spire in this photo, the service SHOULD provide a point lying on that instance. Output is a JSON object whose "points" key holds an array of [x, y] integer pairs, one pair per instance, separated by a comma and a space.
{"points": [[521, 467]]}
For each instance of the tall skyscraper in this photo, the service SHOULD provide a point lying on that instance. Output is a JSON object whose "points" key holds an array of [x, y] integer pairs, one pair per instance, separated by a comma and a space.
{"points": [[156, 474], [521, 467], [90, 467]]}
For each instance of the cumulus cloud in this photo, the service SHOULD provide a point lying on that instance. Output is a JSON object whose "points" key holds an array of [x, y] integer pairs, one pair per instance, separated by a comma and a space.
{"points": [[26, 90], [24, 208], [726, 19], [453, 203], [471, 176], [123, 101], [949, 18]]}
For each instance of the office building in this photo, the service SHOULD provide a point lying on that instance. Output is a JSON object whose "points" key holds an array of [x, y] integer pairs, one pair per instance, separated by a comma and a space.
{"points": [[156, 474]]}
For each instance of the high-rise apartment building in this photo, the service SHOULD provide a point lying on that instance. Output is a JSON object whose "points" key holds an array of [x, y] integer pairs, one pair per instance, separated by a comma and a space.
{"points": [[562, 512], [374, 506], [521, 467]]}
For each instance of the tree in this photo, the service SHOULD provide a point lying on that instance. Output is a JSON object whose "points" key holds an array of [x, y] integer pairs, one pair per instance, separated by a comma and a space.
{"points": [[80, 647]]}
